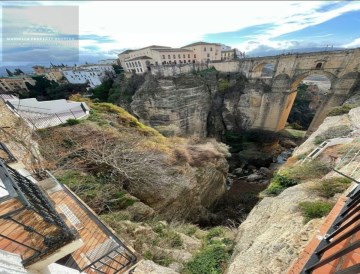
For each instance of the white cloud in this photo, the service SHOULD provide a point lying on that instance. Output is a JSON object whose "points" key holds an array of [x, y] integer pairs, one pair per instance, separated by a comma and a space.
{"points": [[175, 23], [353, 44]]}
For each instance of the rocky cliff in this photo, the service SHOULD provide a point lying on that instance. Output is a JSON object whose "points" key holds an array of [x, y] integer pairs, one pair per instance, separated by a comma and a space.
{"points": [[275, 232], [203, 104]]}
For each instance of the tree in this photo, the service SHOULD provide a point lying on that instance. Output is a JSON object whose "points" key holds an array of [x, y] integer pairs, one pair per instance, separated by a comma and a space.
{"points": [[40, 89], [9, 73], [102, 92]]}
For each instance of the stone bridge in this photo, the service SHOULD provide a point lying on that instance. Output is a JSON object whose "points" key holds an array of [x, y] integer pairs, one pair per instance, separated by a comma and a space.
{"points": [[341, 67]]}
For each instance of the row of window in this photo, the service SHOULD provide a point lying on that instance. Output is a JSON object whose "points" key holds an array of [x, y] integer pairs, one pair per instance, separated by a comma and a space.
{"points": [[179, 56], [205, 49], [180, 62], [137, 70], [133, 64]]}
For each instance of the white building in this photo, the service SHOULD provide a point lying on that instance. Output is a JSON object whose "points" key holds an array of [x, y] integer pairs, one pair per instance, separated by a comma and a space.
{"points": [[92, 74]]}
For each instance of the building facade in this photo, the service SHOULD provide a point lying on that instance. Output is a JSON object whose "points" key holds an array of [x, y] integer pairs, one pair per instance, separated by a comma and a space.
{"points": [[141, 60], [94, 75], [15, 83]]}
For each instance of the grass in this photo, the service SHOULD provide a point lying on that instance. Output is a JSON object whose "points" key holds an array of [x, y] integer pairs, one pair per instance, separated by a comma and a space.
{"points": [[327, 188], [279, 183], [213, 256], [316, 209], [341, 109], [309, 170], [332, 132], [72, 122], [295, 133]]}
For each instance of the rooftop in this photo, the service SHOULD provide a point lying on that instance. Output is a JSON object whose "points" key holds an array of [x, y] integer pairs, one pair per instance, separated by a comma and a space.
{"points": [[201, 43], [138, 58], [173, 50]]}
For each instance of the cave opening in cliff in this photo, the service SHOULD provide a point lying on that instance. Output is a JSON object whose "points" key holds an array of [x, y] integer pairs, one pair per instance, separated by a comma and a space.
{"points": [[310, 94]]}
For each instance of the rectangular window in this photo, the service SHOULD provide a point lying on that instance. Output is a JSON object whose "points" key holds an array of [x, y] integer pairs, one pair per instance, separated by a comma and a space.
{"points": [[169, 56], [183, 55], [139, 63], [163, 57], [188, 55], [141, 70], [210, 49], [174, 56], [194, 56], [205, 49], [208, 55], [179, 56]]}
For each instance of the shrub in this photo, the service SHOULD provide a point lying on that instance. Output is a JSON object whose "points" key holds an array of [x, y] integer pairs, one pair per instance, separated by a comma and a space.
{"points": [[224, 85], [211, 260], [308, 170], [332, 132], [279, 183], [341, 109], [317, 209], [72, 122], [329, 187]]}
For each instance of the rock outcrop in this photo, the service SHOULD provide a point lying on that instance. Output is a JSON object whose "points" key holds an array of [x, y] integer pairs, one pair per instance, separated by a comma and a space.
{"points": [[178, 105], [199, 105], [274, 233]]}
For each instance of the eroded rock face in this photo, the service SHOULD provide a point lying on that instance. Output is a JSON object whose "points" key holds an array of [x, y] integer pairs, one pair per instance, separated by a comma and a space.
{"points": [[273, 234], [174, 106], [149, 267], [194, 105]]}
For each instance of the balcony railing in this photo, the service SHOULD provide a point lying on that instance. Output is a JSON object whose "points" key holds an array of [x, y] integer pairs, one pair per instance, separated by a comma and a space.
{"points": [[342, 239], [29, 223]]}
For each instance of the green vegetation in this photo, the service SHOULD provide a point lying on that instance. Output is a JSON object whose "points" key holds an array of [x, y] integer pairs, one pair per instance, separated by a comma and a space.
{"points": [[72, 122], [279, 183], [101, 92], [312, 210], [341, 109], [213, 256], [294, 133], [309, 170], [102, 197], [327, 188], [223, 84], [332, 132]]}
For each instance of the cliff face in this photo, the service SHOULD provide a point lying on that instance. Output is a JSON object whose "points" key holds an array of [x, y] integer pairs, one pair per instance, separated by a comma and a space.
{"points": [[175, 177], [201, 105], [174, 106], [274, 233]]}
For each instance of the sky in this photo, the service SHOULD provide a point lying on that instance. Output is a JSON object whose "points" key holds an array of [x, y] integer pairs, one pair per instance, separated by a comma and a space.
{"points": [[100, 30]]}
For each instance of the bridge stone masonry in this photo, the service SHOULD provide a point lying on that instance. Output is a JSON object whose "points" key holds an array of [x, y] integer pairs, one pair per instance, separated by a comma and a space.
{"points": [[341, 67]]}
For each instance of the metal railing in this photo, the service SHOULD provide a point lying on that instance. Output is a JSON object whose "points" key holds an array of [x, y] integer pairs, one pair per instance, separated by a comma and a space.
{"points": [[9, 158], [342, 239], [345, 226], [31, 226], [103, 251], [39, 120]]}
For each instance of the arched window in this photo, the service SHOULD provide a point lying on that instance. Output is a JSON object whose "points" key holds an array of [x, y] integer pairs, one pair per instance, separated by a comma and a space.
{"points": [[318, 65]]}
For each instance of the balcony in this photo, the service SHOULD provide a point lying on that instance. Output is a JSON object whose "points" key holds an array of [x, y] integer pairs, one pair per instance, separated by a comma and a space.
{"points": [[38, 220]]}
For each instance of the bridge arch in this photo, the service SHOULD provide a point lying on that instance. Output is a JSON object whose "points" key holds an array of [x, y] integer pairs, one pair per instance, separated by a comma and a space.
{"points": [[264, 69]]}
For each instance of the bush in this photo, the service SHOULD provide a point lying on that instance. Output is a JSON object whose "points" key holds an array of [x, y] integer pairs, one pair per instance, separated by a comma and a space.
{"points": [[279, 183], [72, 122], [341, 110], [224, 85], [329, 187], [211, 260], [317, 209], [309, 170], [332, 132]]}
